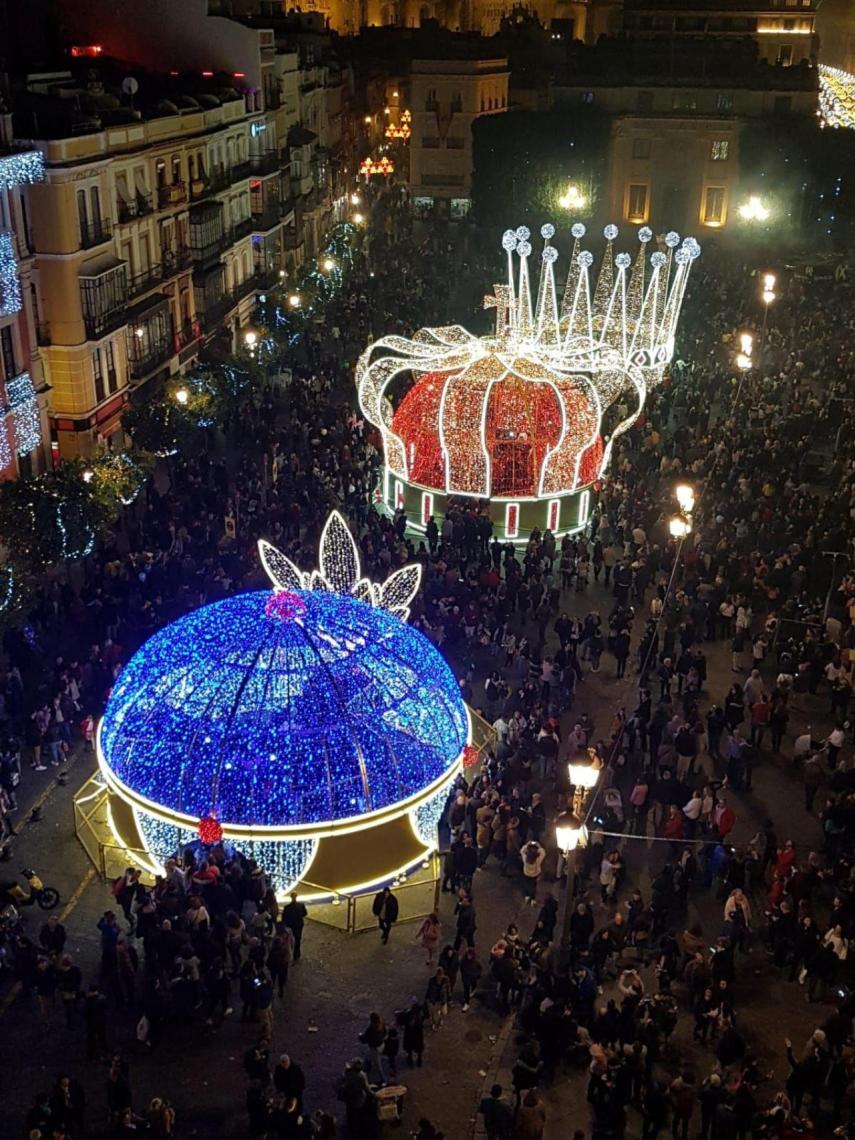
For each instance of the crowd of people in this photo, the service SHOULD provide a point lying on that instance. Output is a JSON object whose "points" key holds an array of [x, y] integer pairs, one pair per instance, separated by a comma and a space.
{"points": [[526, 630]]}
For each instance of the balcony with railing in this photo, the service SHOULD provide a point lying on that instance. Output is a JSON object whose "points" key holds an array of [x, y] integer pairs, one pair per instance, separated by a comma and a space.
{"points": [[173, 195], [145, 363], [240, 171], [266, 163], [141, 282], [241, 229], [104, 300], [137, 207], [175, 260], [211, 316], [96, 232], [267, 219], [151, 341], [187, 336]]}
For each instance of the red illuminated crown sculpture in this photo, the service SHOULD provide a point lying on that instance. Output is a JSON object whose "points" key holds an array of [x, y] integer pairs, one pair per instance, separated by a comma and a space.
{"points": [[527, 418]]}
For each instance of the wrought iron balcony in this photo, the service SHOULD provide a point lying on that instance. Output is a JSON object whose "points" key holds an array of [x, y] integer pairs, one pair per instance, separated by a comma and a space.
{"points": [[95, 233]]}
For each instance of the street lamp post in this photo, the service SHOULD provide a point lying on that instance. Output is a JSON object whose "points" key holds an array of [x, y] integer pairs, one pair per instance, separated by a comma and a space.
{"points": [[572, 198], [768, 295], [571, 832]]}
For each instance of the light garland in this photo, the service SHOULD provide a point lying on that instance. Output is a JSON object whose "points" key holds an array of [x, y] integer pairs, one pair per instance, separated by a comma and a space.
{"points": [[519, 414], [5, 449], [836, 97], [340, 572], [425, 818], [11, 299], [24, 408], [21, 169], [274, 716], [283, 862], [384, 166]]}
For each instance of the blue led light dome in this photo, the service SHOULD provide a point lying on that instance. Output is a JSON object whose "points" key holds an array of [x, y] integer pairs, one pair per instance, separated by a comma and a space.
{"points": [[317, 711]]}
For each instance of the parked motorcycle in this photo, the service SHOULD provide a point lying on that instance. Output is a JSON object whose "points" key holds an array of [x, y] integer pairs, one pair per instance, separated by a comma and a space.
{"points": [[34, 894]]}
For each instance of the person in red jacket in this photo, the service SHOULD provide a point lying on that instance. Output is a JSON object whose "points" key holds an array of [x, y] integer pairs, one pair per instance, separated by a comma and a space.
{"points": [[674, 828]]}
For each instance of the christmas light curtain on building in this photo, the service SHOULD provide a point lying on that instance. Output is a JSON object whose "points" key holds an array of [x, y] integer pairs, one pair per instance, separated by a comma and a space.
{"points": [[10, 282], [24, 413]]}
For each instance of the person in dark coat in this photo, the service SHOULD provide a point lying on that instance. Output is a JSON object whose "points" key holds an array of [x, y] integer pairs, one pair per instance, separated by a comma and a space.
{"points": [[465, 912], [289, 1080], [294, 916], [385, 910], [412, 1021]]}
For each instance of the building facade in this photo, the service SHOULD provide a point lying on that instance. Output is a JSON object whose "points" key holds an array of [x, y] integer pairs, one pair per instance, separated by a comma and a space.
{"points": [[784, 31], [674, 151], [24, 436], [447, 96], [171, 198]]}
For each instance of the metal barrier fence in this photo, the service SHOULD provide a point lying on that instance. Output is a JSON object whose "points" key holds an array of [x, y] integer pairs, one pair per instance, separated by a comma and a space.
{"points": [[417, 897], [92, 828]]}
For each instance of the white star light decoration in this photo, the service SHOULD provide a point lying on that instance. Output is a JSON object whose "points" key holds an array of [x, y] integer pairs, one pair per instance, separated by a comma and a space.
{"points": [[341, 572]]}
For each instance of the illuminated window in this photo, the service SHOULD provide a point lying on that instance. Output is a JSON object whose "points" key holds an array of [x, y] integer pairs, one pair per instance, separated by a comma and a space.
{"points": [[641, 148], [98, 373], [714, 206], [724, 101], [512, 520], [636, 202], [719, 150]]}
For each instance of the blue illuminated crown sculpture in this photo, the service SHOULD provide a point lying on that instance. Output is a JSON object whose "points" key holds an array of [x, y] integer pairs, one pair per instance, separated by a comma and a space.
{"points": [[300, 720]]}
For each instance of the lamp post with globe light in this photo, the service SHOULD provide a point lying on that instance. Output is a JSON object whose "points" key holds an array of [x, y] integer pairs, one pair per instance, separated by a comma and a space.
{"points": [[571, 832], [768, 295]]}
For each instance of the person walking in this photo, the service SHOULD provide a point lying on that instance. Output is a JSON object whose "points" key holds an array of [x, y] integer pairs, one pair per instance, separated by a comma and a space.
{"points": [[470, 974], [385, 910], [374, 1036], [533, 856], [437, 997], [294, 917], [465, 912], [428, 934], [412, 1021]]}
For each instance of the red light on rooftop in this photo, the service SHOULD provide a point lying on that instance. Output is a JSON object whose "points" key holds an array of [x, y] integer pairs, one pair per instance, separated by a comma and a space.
{"points": [[207, 75], [240, 75], [81, 51]]}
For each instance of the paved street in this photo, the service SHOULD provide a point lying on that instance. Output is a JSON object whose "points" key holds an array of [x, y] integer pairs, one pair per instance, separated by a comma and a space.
{"points": [[341, 979]]}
